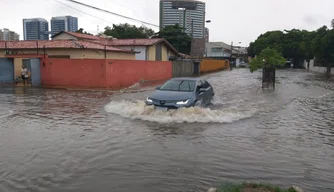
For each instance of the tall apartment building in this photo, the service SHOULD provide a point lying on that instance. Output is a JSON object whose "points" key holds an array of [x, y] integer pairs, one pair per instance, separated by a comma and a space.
{"points": [[64, 23], [35, 29], [189, 14], [207, 35], [7, 35]]}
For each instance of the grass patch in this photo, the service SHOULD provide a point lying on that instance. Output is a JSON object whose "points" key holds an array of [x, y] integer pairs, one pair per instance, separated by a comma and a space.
{"points": [[251, 187]]}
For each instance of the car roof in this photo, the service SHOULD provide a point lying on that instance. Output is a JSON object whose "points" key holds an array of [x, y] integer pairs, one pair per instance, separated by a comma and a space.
{"points": [[188, 78]]}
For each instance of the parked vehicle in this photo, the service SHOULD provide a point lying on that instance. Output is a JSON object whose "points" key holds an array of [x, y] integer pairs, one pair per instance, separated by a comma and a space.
{"points": [[181, 92], [243, 65]]}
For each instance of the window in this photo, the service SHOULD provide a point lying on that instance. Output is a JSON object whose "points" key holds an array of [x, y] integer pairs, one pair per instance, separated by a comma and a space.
{"points": [[216, 49], [206, 84], [178, 85]]}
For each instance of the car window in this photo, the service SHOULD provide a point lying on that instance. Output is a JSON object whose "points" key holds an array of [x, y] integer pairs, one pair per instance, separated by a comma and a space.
{"points": [[206, 84], [179, 85]]}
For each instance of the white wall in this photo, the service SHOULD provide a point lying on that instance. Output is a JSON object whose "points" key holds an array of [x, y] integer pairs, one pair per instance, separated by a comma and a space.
{"points": [[141, 49], [316, 68]]}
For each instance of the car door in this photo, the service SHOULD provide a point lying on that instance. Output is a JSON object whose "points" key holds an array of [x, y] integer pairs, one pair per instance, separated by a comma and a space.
{"points": [[211, 92], [200, 96], [206, 94]]}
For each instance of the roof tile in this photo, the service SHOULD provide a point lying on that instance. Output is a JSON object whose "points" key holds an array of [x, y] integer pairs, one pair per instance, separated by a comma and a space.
{"points": [[69, 44], [78, 35]]}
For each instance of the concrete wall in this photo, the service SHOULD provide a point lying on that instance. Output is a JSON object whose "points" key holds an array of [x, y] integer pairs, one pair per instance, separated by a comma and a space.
{"points": [[317, 69], [141, 49], [73, 72], [17, 67], [122, 73], [151, 53], [213, 65], [183, 68], [79, 53], [164, 53], [101, 73]]}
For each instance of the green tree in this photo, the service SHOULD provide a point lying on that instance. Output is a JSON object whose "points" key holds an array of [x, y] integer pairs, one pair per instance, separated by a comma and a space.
{"points": [[268, 58], [293, 44], [127, 31], [323, 47], [176, 36], [81, 30]]}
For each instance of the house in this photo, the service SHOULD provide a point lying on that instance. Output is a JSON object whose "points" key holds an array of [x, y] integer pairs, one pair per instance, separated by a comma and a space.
{"points": [[14, 54], [65, 35], [74, 49], [218, 50], [156, 49], [146, 49]]}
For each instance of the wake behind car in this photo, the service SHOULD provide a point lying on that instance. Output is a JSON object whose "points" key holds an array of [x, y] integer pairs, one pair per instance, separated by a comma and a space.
{"points": [[181, 92]]}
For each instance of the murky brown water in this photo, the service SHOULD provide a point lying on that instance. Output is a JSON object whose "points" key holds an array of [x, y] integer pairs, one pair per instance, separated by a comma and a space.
{"points": [[67, 141]]}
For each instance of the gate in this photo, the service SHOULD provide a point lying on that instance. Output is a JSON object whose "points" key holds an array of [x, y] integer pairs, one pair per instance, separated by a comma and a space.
{"points": [[35, 72], [197, 67], [6, 70]]}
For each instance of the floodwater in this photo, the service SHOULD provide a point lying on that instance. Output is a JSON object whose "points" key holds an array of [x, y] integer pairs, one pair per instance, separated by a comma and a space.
{"points": [[71, 141]]}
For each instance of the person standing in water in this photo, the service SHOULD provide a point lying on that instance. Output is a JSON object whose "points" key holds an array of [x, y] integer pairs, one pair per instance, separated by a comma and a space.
{"points": [[24, 75]]}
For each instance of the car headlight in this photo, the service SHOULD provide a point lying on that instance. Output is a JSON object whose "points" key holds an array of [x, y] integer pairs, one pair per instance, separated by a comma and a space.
{"points": [[149, 100], [182, 102]]}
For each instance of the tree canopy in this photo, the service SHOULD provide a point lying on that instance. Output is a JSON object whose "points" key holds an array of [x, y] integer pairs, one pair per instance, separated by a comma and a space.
{"points": [[323, 45], [268, 58], [127, 31], [176, 36], [81, 30], [296, 44]]}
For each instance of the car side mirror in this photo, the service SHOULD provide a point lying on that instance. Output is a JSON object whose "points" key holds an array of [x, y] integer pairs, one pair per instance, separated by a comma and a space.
{"points": [[157, 88], [202, 90]]}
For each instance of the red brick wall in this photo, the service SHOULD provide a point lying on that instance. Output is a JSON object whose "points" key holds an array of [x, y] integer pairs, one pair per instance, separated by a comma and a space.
{"points": [[100, 73], [124, 73]]}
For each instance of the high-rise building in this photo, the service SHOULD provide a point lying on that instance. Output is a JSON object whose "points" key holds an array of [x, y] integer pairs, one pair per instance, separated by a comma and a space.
{"points": [[7, 35], [189, 14], [207, 34], [64, 23], [35, 29]]}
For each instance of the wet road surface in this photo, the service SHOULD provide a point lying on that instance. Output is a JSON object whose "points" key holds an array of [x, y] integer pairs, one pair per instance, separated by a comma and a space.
{"points": [[69, 141]]}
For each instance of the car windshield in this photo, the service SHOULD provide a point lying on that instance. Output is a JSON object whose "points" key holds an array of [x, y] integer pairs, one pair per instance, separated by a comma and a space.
{"points": [[179, 85]]}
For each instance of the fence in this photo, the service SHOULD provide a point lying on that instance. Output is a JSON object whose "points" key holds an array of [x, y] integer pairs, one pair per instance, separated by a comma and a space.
{"points": [[312, 66], [184, 68], [210, 65]]}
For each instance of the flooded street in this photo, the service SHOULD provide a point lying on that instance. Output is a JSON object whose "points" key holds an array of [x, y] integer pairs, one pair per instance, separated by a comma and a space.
{"points": [[74, 141]]}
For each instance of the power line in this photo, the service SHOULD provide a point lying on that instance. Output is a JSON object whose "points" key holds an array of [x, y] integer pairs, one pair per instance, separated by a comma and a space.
{"points": [[84, 12], [106, 11]]}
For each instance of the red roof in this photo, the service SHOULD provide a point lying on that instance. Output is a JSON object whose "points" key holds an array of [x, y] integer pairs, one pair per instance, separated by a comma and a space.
{"points": [[69, 44], [78, 35], [134, 42], [130, 42]]}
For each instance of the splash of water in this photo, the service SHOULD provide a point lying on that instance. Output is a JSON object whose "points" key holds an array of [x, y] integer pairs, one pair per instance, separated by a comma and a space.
{"points": [[139, 110]]}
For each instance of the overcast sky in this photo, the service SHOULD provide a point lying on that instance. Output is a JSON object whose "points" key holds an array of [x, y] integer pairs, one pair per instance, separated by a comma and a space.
{"points": [[239, 20]]}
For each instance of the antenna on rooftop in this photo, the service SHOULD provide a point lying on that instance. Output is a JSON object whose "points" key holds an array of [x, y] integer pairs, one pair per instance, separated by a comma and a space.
{"points": [[98, 30]]}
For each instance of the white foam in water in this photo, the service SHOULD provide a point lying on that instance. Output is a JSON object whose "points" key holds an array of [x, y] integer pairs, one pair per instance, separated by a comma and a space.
{"points": [[139, 110], [9, 113]]}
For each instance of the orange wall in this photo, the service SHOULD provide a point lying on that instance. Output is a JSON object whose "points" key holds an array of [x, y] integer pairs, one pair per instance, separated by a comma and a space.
{"points": [[73, 72], [101, 73], [209, 65], [124, 73]]}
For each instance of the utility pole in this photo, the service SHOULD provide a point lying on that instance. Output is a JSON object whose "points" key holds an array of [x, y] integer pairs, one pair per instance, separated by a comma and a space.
{"points": [[231, 67]]}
